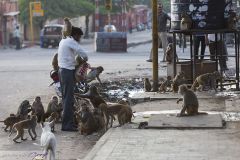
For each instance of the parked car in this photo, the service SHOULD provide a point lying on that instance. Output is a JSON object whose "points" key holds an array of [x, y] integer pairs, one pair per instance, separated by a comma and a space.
{"points": [[51, 35], [140, 27], [110, 28]]}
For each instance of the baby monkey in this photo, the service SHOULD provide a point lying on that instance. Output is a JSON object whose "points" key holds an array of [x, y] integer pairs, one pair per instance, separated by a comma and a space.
{"points": [[190, 102], [147, 85], [165, 84], [169, 53], [52, 119]]}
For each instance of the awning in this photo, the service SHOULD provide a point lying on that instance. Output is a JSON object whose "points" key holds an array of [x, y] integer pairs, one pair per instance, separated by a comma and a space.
{"points": [[11, 13]]}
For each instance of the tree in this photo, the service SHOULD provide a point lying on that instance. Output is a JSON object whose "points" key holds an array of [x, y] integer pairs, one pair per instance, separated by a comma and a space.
{"points": [[54, 9]]}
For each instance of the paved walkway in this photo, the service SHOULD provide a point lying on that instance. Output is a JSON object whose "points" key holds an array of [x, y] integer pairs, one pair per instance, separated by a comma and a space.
{"points": [[130, 143]]}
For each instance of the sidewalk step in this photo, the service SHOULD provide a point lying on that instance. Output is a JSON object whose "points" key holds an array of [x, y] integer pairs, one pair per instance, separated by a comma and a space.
{"points": [[165, 121]]}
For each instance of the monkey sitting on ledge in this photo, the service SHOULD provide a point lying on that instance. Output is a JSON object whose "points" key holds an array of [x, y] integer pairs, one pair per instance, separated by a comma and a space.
{"points": [[190, 102]]}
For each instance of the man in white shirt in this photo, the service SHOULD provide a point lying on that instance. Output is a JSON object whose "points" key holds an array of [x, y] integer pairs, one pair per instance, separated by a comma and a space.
{"points": [[68, 49]]}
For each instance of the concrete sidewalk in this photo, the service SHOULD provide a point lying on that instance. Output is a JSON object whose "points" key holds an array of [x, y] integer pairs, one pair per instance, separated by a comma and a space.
{"points": [[130, 143]]}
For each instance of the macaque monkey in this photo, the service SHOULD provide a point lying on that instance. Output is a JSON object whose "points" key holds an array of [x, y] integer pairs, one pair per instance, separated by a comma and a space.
{"points": [[186, 22], [232, 20], [55, 62], [165, 84], [54, 106], [88, 124], [10, 121], [67, 29], [190, 102], [38, 109], [123, 112], [178, 80], [169, 53], [29, 124], [24, 109], [53, 119], [147, 85], [204, 79], [125, 115], [100, 119], [93, 95], [124, 102]]}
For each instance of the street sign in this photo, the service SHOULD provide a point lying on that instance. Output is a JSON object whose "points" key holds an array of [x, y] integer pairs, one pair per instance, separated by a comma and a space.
{"points": [[108, 4], [37, 6], [37, 9], [37, 13]]}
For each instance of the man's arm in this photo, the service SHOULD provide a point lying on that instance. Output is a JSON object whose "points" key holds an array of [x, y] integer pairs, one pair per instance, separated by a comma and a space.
{"points": [[99, 80], [79, 50]]}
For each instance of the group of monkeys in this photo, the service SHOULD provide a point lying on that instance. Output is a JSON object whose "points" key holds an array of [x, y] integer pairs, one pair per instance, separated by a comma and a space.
{"points": [[189, 98], [22, 120], [102, 115], [99, 117], [200, 83]]}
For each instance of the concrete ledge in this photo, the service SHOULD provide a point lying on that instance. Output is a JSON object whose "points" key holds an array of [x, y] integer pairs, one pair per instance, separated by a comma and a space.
{"points": [[151, 96], [164, 121]]}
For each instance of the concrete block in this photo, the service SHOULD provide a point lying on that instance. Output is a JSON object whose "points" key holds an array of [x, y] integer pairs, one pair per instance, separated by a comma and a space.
{"points": [[187, 122]]}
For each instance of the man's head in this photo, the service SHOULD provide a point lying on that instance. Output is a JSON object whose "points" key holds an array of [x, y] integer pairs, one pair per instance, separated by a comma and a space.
{"points": [[76, 33], [160, 7]]}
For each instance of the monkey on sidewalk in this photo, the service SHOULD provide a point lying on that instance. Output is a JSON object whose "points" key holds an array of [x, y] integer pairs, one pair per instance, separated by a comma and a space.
{"points": [[190, 102], [10, 121], [38, 109], [24, 109], [29, 124]]}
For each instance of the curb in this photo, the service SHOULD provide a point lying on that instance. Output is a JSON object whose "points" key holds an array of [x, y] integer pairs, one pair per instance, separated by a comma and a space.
{"points": [[133, 44]]}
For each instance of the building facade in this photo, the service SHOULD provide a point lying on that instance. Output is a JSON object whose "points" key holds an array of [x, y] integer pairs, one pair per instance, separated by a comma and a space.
{"points": [[8, 20]]}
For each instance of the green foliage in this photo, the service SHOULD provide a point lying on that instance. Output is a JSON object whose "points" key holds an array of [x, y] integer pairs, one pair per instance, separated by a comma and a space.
{"points": [[56, 9]]}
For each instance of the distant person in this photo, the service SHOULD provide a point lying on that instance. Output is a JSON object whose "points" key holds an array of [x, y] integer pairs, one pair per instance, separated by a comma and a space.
{"points": [[217, 48], [41, 38], [162, 31], [17, 37], [199, 38]]}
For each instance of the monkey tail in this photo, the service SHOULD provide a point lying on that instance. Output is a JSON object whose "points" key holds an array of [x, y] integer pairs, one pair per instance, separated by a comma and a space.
{"points": [[133, 114], [11, 130], [202, 113], [194, 85]]}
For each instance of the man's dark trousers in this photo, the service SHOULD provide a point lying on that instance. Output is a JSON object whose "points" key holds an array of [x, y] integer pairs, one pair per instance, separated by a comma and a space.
{"points": [[67, 86]]}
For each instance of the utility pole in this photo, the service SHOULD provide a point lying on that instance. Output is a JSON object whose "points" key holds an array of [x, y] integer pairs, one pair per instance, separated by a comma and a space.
{"points": [[96, 15], [155, 45], [124, 16]]}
